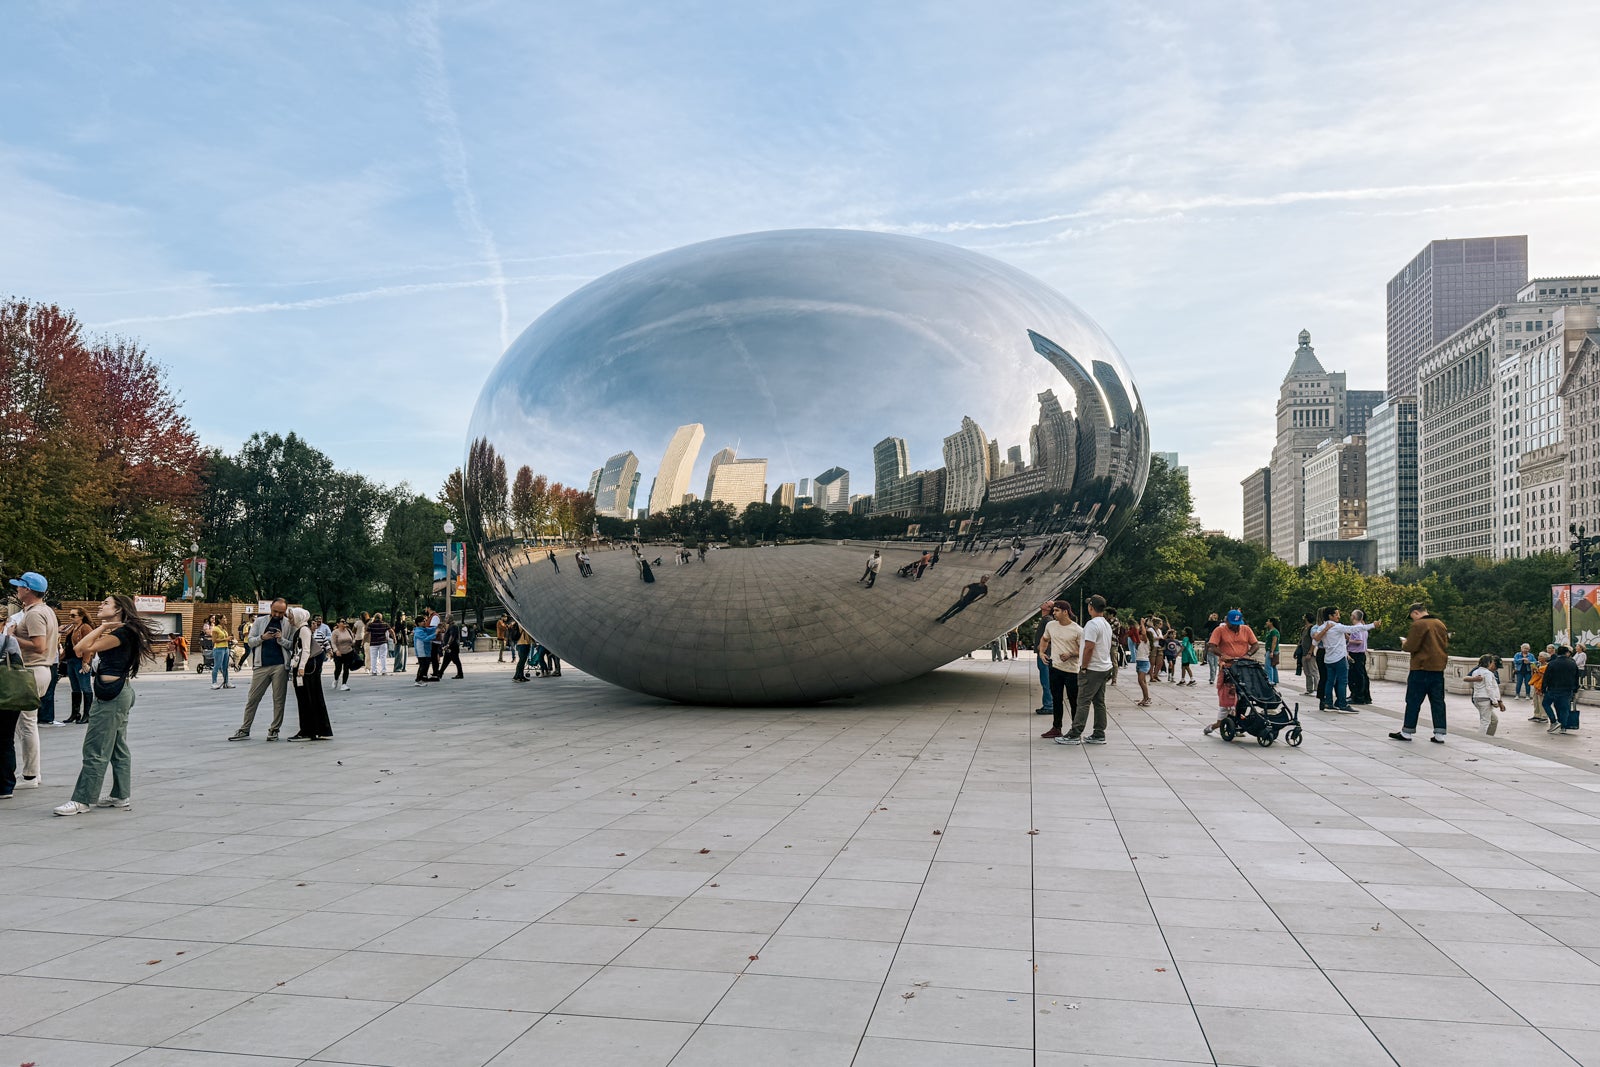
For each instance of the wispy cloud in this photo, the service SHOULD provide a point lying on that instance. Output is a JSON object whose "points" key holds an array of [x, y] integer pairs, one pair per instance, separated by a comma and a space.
{"points": [[441, 111], [498, 283]]}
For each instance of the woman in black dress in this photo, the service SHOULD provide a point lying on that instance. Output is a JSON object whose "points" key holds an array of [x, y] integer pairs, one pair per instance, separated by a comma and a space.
{"points": [[306, 663]]}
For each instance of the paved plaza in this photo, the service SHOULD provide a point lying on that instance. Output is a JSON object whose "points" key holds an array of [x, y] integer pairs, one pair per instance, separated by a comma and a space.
{"points": [[567, 873]]}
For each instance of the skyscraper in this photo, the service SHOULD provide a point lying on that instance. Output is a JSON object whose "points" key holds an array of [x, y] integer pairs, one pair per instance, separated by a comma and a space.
{"points": [[1392, 482], [1336, 491], [633, 491], [967, 470], [1311, 409], [738, 482], [618, 481], [889, 461], [832, 489], [1444, 287], [726, 455], [784, 495], [672, 479], [1258, 507]]}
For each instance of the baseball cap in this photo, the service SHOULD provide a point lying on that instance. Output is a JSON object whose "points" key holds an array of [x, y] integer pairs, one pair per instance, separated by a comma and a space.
{"points": [[31, 580], [1235, 617]]}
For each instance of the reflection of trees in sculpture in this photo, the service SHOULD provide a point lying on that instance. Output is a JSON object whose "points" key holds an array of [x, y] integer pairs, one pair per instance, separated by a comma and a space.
{"points": [[485, 491]]}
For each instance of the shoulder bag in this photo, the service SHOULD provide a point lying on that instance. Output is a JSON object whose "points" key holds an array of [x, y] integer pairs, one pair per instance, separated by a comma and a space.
{"points": [[18, 690]]}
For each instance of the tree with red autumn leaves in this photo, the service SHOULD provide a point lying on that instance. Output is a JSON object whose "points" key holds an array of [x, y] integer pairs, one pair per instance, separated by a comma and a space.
{"points": [[99, 469]]}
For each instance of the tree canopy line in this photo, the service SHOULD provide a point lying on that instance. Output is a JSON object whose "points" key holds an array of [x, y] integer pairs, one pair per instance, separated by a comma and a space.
{"points": [[106, 484]]}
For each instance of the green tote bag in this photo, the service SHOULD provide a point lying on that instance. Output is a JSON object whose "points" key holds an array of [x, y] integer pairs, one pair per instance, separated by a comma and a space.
{"points": [[18, 690]]}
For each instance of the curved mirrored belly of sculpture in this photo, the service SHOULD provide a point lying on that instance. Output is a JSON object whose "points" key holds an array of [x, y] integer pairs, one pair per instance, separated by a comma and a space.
{"points": [[804, 398]]}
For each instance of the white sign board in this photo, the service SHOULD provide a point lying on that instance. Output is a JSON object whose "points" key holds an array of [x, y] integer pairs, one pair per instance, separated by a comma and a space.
{"points": [[150, 603], [263, 607]]}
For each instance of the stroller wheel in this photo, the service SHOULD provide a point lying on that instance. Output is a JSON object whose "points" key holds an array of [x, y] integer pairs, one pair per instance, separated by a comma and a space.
{"points": [[1266, 739], [1294, 737], [1228, 730]]}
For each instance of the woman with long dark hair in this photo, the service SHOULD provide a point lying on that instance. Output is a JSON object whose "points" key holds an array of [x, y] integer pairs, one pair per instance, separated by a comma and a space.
{"points": [[120, 641], [305, 666], [72, 658]]}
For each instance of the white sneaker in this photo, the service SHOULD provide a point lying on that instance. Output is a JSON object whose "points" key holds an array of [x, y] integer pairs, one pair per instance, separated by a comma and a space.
{"points": [[344, 689], [72, 807], [216, 687], [112, 802], [35, 783]]}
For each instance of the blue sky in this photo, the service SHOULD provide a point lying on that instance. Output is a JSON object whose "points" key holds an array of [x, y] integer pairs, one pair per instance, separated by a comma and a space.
{"points": [[333, 218]]}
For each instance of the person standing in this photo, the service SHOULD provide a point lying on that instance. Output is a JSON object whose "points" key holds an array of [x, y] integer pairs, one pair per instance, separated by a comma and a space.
{"points": [[358, 630], [1094, 671], [39, 637], [1139, 652], [1561, 691], [343, 643], [378, 645], [1333, 636], [1580, 657], [121, 641], [422, 636], [78, 628], [268, 643], [1428, 644], [1062, 647], [305, 663], [1230, 641], [1522, 671], [870, 575], [1541, 706], [1190, 658], [221, 653], [1211, 624], [1306, 653], [1356, 646], [1042, 658], [1272, 639], [524, 649], [1485, 679], [500, 637], [450, 643], [402, 641]]}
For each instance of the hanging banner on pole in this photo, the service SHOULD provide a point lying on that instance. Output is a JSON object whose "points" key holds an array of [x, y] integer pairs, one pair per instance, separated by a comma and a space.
{"points": [[459, 567]]}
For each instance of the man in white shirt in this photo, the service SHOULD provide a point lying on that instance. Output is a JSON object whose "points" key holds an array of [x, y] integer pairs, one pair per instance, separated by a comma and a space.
{"points": [[1094, 671], [1336, 656]]}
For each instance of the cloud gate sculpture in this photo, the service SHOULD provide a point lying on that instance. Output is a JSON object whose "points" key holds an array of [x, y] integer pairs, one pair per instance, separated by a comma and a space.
{"points": [[677, 476]]}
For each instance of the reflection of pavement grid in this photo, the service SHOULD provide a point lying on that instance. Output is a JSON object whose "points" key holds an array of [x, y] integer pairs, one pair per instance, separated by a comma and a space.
{"points": [[565, 872], [781, 620]]}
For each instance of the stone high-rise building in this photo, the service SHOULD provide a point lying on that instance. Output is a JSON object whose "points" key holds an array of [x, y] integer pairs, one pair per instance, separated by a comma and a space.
{"points": [[1580, 402], [1336, 491], [967, 470], [784, 495], [725, 455], [1258, 507], [1311, 409], [1444, 287], [739, 483]]}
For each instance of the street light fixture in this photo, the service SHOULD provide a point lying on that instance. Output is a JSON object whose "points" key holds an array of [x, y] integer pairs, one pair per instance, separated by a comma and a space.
{"points": [[449, 558], [194, 570]]}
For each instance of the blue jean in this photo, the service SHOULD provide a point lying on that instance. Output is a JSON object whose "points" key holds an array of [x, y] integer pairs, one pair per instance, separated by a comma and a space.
{"points": [[1524, 682], [1562, 709], [1338, 680], [219, 662], [1420, 684], [1044, 684], [1272, 670], [47, 700], [1211, 667]]}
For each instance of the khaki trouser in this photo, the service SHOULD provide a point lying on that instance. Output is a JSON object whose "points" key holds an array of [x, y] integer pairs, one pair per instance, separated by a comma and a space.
{"points": [[1091, 692], [28, 728], [105, 743], [277, 676]]}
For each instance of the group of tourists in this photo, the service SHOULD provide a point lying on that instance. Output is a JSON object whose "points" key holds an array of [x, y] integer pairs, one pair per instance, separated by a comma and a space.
{"points": [[1330, 653], [529, 658]]}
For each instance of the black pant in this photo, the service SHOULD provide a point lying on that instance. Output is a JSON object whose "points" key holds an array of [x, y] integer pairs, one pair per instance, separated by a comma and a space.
{"points": [[1421, 684], [424, 663], [1063, 682], [310, 704], [452, 655], [341, 668], [1360, 684], [8, 752], [1324, 698]]}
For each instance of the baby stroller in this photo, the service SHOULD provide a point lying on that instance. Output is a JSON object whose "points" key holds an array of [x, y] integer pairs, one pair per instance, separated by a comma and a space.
{"points": [[1260, 711]]}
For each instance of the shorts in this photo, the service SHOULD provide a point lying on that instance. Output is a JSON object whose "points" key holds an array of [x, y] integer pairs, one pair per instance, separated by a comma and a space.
{"points": [[1144, 666]]}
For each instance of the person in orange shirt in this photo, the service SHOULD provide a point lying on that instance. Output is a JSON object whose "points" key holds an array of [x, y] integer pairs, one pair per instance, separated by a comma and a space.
{"points": [[1228, 642]]}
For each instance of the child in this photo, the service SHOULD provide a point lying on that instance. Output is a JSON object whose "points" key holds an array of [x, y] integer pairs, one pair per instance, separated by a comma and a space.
{"points": [[1190, 657], [1485, 679], [1174, 654], [1536, 683]]}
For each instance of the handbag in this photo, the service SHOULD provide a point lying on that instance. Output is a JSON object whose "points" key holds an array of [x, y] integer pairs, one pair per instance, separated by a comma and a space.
{"points": [[18, 689]]}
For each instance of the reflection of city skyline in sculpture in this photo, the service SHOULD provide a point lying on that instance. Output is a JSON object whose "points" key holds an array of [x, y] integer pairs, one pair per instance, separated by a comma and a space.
{"points": [[677, 465], [733, 336]]}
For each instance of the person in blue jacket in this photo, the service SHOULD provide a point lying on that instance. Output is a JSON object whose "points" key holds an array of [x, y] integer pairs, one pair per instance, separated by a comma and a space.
{"points": [[422, 642]]}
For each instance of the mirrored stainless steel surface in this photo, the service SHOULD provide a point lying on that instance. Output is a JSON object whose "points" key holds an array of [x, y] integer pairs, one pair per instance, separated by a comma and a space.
{"points": [[993, 424]]}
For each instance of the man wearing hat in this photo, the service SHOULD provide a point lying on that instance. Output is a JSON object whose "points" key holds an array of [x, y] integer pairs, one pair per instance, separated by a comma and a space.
{"points": [[1228, 642], [37, 633]]}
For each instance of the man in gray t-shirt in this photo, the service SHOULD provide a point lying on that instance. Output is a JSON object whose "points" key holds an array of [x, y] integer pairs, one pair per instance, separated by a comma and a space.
{"points": [[39, 637]]}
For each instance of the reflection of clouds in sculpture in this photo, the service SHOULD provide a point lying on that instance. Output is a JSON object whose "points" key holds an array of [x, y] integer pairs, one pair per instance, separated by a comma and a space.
{"points": [[805, 349]]}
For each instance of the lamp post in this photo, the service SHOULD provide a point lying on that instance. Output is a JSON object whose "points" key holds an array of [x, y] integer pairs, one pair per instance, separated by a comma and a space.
{"points": [[194, 570], [449, 558]]}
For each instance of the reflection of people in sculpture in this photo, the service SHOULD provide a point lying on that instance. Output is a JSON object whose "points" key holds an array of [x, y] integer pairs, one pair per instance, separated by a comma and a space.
{"points": [[969, 596], [645, 573], [553, 563], [870, 575], [1016, 554], [1038, 554], [1025, 583]]}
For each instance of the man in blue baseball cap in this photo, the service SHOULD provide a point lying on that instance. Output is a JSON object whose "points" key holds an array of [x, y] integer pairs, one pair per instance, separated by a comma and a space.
{"points": [[37, 633], [1228, 642]]}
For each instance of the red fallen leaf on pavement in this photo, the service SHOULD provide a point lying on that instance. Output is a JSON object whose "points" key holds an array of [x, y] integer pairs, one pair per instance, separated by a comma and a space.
{"points": [[1161, 970], [181, 953], [1032, 832], [705, 852], [30, 1063], [151, 963], [755, 957], [633, 920]]}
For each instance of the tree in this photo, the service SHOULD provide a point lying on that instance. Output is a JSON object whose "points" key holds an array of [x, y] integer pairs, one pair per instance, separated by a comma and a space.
{"points": [[410, 530]]}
